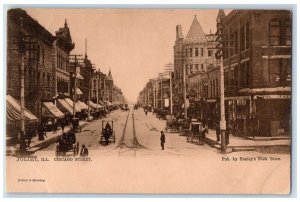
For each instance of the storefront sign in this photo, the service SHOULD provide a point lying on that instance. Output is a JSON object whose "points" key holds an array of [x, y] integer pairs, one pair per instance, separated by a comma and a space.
{"points": [[274, 96]]}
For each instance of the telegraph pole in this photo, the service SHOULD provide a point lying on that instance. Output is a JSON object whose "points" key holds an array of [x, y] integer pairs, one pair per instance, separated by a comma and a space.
{"points": [[22, 50], [74, 75], [184, 93], [169, 69], [219, 55]]}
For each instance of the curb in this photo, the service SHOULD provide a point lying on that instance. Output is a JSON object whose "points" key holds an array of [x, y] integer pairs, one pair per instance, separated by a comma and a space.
{"points": [[282, 148]]}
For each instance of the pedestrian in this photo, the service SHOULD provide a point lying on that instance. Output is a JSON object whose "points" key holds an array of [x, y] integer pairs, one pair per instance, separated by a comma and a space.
{"points": [[84, 151], [146, 112], [63, 125], [29, 135], [54, 126], [218, 132], [228, 132], [40, 131], [162, 140]]}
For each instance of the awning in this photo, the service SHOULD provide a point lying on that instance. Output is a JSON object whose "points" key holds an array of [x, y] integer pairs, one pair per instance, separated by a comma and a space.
{"points": [[70, 102], [78, 91], [95, 106], [82, 105], [64, 107], [50, 110], [108, 103], [13, 110], [78, 76]]}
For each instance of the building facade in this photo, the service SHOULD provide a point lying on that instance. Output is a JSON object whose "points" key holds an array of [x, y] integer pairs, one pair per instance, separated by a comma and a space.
{"points": [[38, 60], [193, 57], [62, 46], [257, 71]]}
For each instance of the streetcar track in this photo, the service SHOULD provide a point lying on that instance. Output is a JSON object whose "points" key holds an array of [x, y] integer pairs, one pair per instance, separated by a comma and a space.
{"points": [[134, 143]]}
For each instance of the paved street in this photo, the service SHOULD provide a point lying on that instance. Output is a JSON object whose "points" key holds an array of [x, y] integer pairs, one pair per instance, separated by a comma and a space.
{"points": [[182, 167]]}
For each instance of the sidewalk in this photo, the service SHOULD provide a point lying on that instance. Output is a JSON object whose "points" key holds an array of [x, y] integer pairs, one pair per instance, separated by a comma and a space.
{"points": [[50, 138], [261, 144]]}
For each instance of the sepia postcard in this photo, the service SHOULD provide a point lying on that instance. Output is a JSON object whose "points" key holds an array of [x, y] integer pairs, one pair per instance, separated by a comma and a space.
{"points": [[148, 101]]}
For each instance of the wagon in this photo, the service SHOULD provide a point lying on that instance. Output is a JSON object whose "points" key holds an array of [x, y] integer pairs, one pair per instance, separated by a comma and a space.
{"points": [[184, 127], [67, 143], [107, 133], [172, 124], [197, 133]]}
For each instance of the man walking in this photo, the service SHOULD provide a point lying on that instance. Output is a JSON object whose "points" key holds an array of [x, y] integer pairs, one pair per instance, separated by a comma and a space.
{"points": [[84, 151], [162, 140]]}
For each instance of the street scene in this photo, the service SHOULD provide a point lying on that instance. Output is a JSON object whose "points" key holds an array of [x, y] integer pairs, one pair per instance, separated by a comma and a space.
{"points": [[187, 101]]}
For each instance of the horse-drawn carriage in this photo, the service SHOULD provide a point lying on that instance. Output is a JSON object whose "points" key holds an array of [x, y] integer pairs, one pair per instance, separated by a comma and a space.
{"points": [[184, 126], [66, 143], [108, 133], [197, 133], [172, 124]]}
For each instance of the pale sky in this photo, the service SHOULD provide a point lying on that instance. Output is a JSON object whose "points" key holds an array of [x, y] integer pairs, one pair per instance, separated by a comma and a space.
{"points": [[134, 43]]}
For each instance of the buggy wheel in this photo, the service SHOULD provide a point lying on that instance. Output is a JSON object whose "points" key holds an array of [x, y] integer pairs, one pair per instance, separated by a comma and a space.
{"points": [[74, 150], [57, 150]]}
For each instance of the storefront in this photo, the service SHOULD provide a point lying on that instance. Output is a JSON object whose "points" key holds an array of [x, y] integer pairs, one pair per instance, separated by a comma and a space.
{"points": [[50, 111], [273, 113], [13, 120]]}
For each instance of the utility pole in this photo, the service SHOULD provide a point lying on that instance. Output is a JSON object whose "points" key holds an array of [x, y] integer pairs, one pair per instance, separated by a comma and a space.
{"points": [[161, 90], [22, 50], [184, 92], [170, 69], [219, 56], [74, 75]]}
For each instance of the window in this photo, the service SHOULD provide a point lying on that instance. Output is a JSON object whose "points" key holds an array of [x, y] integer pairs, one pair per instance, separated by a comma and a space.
{"points": [[43, 55], [191, 69], [186, 52], [231, 43], [226, 47], [191, 52], [235, 42], [196, 67], [201, 51], [210, 52], [217, 87], [247, 36], [48, 79], [196, 52], [280, 32], [242, 38], [186, 69], [202, 68], [245, 74]]}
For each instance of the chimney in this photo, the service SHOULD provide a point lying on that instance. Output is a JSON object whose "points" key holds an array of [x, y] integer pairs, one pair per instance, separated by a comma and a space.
{"points": [[178, 32]]}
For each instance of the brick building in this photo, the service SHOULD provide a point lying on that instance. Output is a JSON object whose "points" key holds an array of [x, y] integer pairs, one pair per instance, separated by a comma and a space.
{"points": [[62, 46], [194, 55], [257, 71], [38, 60]]}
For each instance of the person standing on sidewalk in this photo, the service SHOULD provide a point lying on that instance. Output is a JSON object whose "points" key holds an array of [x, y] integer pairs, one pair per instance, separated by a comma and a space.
{"points": [[218, 132], [63, 125], [162, 140]]}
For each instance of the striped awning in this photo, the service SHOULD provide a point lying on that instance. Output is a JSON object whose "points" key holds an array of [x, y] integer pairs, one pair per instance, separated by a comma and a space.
{"points": [[50, 110], [13, 111], [70, 102], [95, 106], [78, 91], [64, 107], [82, 105]]}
